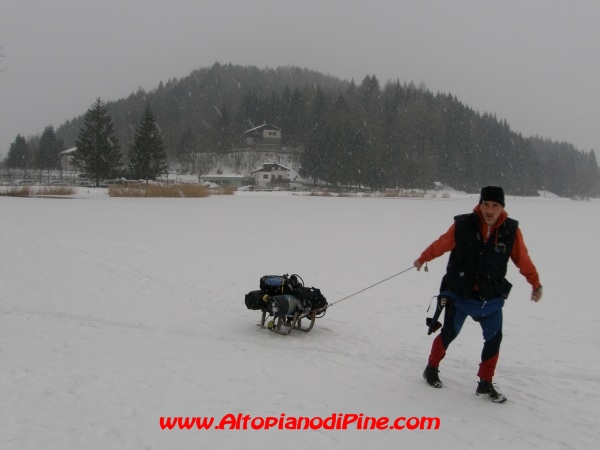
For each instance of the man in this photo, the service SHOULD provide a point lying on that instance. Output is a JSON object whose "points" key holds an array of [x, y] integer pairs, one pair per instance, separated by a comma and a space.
{"points": [[474, 285]]}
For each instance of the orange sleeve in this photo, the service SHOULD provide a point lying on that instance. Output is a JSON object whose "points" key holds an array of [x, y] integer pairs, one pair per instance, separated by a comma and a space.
{"points": [[520, 256], [441, 245]]}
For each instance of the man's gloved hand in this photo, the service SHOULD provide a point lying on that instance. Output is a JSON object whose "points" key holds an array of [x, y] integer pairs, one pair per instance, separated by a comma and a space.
{"points": [[536, 294]]}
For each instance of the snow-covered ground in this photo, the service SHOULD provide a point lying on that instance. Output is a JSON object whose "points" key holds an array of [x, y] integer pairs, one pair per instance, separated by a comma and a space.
{"points": [[115, 312]]}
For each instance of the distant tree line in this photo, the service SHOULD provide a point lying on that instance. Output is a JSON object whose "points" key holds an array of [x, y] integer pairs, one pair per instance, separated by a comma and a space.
{"points": [[396, 136], [39, 154], [98, 156]]}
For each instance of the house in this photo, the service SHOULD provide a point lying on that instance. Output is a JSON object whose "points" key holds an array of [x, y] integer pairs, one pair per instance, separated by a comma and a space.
{"points": [[66, 158], [263, 136], [271, 175]]}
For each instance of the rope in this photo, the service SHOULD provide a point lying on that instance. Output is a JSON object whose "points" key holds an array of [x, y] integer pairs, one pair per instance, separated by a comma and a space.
{"points": [[369, 287]]}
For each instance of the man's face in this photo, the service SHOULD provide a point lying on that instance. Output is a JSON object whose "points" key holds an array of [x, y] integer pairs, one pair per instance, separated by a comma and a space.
{"points": [[490, 212]]}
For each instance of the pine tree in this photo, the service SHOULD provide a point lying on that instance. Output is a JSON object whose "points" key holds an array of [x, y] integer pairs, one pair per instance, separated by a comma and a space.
{"points": [[98, 152], [315, 159], [147, 155], [185, 150], [19, 156], [223, 129], [46, 157]]}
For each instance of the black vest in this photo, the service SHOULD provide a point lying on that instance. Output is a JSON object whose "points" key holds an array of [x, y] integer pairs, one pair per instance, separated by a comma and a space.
{"points": [[475, 263]]}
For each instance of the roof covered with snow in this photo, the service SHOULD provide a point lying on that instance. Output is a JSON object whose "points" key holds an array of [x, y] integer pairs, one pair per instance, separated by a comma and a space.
{"points": [[268, 167], [260, 127]]}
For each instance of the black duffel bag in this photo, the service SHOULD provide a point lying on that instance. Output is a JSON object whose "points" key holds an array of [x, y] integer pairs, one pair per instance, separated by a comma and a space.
{"points": [[255, 300], [310, 297]]}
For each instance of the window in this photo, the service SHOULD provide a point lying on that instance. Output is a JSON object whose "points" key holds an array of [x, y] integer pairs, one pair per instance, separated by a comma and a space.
{"points": [[265, 176]]}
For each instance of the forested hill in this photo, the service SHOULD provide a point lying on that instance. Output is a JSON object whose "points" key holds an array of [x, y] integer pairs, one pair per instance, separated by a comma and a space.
{"points": [[395, 135]]}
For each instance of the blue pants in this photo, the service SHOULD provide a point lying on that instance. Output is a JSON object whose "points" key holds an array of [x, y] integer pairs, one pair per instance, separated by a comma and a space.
{"points": [[489, 316]]}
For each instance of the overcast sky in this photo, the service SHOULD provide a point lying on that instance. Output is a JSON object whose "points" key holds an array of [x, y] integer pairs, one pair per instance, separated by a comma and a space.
{"points": [[535, 63]]}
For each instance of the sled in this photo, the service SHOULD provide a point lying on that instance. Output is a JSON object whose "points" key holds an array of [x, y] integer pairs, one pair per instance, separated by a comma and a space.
{"points": [[291, 305], [285, 325]]}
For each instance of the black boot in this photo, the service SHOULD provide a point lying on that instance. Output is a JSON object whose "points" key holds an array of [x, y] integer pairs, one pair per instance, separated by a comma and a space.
{"points": [[487, 388], [431, 376]]}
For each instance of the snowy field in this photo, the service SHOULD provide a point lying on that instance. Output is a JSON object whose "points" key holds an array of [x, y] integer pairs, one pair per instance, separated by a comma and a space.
{"points": [[115, 312]]}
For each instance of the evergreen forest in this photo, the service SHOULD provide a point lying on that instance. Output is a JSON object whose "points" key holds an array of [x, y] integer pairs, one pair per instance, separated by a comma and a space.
{"points": [[349, 134]]}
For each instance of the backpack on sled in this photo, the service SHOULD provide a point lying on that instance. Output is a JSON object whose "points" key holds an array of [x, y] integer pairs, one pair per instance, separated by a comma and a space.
{"points": [[288, 301]]}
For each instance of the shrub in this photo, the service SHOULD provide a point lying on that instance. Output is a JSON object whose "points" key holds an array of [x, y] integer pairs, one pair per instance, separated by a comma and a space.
{"points": [[159, 190], [55, 190], [16, 191], [32, 191]]}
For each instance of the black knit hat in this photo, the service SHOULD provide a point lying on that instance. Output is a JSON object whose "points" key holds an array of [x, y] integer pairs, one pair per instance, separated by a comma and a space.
{"points": [[492, 194]]}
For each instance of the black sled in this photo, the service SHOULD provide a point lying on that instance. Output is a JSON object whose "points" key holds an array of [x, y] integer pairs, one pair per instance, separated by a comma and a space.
{"points": [[288, 302]]}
